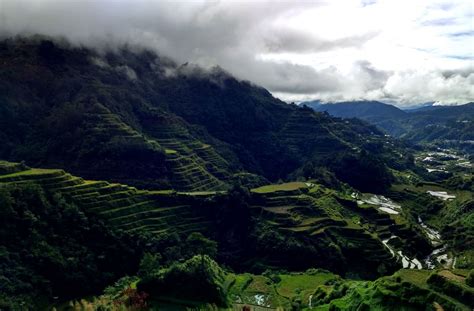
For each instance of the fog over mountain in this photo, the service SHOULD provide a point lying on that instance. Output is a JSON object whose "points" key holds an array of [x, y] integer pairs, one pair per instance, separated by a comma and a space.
{"points": [[152, 156], [394, 51]]}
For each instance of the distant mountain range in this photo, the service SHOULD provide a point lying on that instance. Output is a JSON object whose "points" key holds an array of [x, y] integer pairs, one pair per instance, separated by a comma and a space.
{"points": [[366, 110], [445, 125]]}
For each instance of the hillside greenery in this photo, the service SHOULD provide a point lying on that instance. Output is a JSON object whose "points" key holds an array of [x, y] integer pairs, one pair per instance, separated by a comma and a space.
{"points": [[213, 288], [50, 248], [141, 119], [445, 126], [131, 182], [292, 226]]}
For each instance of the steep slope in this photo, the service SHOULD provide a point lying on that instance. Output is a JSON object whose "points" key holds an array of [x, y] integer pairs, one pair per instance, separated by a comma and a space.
{"points": [[51, 248], [136, 118], [269, 227], [93, 127]]}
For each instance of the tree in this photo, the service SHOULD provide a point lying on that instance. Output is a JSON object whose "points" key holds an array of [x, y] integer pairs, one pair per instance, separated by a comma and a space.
{"points": [[197, 279], [149, 265], [198, 244]]}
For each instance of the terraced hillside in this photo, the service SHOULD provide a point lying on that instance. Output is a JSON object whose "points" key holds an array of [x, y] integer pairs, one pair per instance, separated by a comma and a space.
{"points": [[120, 116], [335, 227], [321, 290], [288, 220], [405, 290], [294, 226], [121, 150], [191, 164], [446, 213], [122, 206], [166, 157], [194, 166], [314, 289], [304, 133]]}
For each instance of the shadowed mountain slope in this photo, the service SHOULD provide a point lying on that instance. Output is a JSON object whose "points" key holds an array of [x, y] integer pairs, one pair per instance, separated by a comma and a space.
{"points": [[136, 118]]}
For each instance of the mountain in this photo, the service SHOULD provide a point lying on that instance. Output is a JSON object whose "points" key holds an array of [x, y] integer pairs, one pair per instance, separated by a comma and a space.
{"points": [[141, 119], [74, 229], [130, 182], [366, 110], [425, 106], [82, 235], [443, 125]]}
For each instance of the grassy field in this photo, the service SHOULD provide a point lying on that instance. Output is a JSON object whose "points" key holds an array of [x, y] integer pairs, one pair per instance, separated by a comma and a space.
{"points": [[302, 285], [278, 290], [29, 172], [420, 277]]}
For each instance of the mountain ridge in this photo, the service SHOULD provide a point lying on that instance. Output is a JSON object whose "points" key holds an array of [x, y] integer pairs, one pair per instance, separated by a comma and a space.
{"points": [[443, 125], [179, 121], [124, 162]]}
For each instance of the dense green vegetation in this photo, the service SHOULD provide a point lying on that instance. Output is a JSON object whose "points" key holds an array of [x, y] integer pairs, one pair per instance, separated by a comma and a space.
{"points": [[293, 226], [201, 191], [54, 249], [198, 279], [123, 117], [203, 284], [405, 290], [454, 217], [50, 248], [445, 126], [257, 229]]}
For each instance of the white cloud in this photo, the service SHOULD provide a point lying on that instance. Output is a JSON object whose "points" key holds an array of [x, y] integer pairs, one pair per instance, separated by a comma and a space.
{"points": [[422, 87], [397, 50]]}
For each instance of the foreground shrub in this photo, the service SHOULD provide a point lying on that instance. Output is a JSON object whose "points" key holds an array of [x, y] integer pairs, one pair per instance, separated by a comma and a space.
{"points": [[198, 279]]}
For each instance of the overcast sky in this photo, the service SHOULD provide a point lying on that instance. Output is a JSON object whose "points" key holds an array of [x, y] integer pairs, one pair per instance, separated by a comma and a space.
{"points": [[401, 51]]}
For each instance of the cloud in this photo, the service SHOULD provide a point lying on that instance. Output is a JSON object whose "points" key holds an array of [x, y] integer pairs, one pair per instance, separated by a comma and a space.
{"points": [[291, 40], [423, 87], [368, 2], [127, 71], [332, 50], [462, 34], [439, 22]]}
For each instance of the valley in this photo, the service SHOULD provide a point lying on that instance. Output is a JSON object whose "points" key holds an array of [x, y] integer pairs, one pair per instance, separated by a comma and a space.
{"points": [[197, 190], [316, 220]]}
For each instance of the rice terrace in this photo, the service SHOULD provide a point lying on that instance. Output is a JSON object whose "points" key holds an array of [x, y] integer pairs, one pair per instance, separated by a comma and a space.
{"points": [[232, 155]]}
